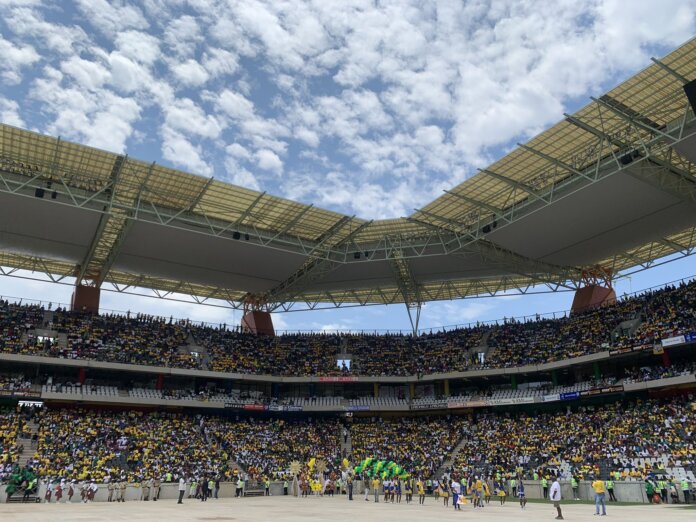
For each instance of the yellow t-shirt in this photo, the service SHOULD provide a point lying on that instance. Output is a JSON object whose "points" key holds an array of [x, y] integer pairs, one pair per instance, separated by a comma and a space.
{"points": [[598, 486]]}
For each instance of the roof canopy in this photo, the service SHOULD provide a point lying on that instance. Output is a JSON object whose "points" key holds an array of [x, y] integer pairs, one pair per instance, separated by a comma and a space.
{"points": [[612, 186]]}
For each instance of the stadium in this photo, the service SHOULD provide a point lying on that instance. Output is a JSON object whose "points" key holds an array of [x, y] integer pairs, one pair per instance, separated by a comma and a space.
{"points": [[142, 416]]}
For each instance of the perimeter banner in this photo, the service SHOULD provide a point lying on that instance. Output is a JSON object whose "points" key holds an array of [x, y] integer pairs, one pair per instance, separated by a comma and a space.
{"points": [[338, 378]]}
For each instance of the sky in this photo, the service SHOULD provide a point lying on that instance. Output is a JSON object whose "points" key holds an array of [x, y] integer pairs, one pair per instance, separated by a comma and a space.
{"points": [[366, 108]]}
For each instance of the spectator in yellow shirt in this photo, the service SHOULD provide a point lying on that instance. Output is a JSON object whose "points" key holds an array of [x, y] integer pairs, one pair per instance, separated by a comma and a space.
{"points": [[600, 492]]}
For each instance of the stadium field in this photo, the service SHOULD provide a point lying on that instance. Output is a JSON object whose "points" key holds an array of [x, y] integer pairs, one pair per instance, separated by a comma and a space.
{"points": [[293, 509]]}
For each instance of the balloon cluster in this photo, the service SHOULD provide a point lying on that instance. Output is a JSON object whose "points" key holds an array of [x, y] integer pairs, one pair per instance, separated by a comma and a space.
{"points": [[380, 468]]}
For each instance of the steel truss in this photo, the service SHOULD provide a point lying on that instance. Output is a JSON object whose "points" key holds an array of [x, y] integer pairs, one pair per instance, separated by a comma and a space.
{"points": [[638, 146]]}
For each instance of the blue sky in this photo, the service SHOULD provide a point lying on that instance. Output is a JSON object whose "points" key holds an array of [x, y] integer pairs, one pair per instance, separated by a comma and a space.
{"points": [[367, 108]]}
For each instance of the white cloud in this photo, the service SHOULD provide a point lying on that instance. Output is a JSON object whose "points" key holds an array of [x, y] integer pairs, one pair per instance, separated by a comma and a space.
{"points": [[127, 75], [183, 36], [25, 21], [190, 73], [219, 62], [14, 59], [183, 115], [181, 152], [101, 119], [88, 74], [112, 17], [138, 46], [9, 112], [237, 151], [268, 160]]}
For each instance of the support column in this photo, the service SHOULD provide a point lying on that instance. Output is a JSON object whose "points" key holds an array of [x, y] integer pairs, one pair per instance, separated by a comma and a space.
{"points": [[595, 369], [665, 359], [159, 385], [258, 322], [85, 299], [411, 391], [81, 376], [597, 290], [375, 390], [554, 377], [446, 387], [513, 381]]}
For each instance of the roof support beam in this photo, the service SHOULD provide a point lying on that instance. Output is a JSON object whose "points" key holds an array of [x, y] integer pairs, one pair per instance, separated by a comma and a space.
{"points": [[555, 162], [86, 265], [314, 269], [650, 169], [636, 119], [514, 184], [671, 71], [249, 209], [479, 204], [200, 195]]}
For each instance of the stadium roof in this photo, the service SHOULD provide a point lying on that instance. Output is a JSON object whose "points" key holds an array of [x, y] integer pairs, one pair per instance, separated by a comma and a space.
{"points": [[610, 186]]}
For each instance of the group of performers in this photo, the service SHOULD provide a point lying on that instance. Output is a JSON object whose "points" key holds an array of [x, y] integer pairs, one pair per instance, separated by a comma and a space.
{"points": [[57, 489]]}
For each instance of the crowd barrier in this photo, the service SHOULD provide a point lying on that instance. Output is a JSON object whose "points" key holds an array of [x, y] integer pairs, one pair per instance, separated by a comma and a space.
{"points": [[625, 491]]}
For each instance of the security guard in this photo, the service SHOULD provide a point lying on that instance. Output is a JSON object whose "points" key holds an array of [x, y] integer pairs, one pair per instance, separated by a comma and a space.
{"points": [[610, 490], [156, 483], [122, 489], [685, 489], [545, 487], [574, 484]]}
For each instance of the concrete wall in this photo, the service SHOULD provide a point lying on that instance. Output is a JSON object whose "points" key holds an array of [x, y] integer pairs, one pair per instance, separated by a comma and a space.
{"points": [[624, 491], [168, 491]]}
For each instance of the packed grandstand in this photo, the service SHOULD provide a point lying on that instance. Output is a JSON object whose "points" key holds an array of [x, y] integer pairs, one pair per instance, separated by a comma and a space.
{"points": [[129, 401], [622, 414]]}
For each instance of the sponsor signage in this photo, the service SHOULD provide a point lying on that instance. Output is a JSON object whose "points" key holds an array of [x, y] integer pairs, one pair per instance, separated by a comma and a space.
{"points": [[621, 351], [602, 391], [551, 398], [338, 378], [255, 407], [293, 408], [245, 406], [435, 405], [569, 396], [466, 404], [507, 402], [358, 407], [671, 341], [690, 337], [14, 393]]}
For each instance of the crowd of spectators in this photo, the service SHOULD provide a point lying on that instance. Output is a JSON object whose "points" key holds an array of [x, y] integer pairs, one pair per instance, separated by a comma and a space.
{"points": [[141, 339], [88, 444], [79, 444], [419, 445], [97, 445], [651, 373], [9, 429], [267, 447], [148, 340], [17, 321], [582, 438], [287, 355], [15, 383], [664, 313]]}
